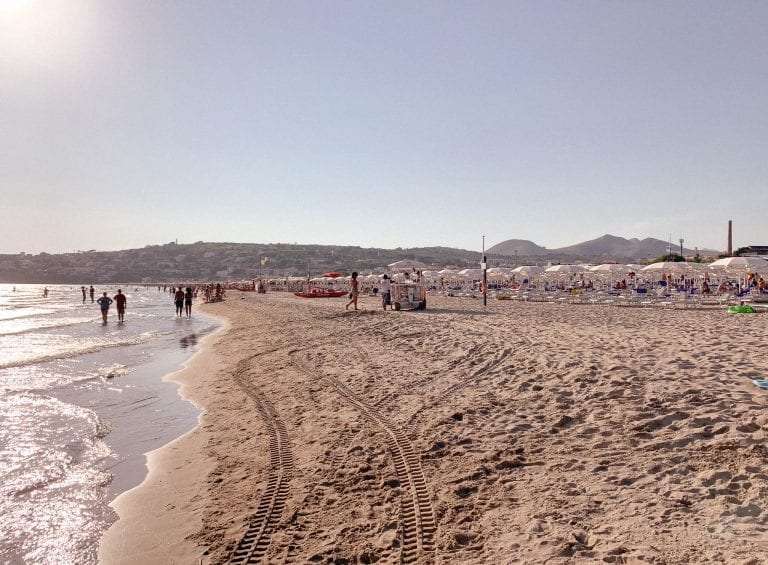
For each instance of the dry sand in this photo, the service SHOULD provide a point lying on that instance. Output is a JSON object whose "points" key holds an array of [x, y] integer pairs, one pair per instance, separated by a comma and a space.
{"points": [[518, 433]]}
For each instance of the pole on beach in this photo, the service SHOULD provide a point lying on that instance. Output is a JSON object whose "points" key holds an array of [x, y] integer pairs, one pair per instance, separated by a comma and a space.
{"points": [[484, 266]]}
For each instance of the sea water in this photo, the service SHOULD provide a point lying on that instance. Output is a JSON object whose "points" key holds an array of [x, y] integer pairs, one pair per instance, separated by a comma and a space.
{"points": [[80, 403]]}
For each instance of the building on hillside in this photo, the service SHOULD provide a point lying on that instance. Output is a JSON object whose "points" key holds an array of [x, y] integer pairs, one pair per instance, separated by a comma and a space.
{"points": [[755, 250]]}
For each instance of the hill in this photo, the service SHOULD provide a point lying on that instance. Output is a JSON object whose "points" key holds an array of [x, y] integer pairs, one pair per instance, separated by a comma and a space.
{"points": [[519, 248], [605, 248], [206, 261]]}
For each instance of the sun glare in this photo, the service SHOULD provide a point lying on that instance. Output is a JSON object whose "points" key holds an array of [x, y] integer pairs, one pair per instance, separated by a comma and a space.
{"points": [[47, 35]]}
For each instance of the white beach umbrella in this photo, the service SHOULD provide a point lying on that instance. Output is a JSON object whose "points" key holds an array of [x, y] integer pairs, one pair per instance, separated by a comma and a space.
{"points": [[448, 272], [471, 273], [740, 264], [565, 269], [528, 270], [406, 264], [500, 271], [671, 266], [430, 274], [610, 268]]}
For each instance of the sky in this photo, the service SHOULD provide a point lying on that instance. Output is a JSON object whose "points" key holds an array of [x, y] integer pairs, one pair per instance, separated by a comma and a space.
{"points": [[381, 124]]}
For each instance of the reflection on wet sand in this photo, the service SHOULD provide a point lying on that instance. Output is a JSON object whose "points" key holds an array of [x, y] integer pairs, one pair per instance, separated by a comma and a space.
{"points": [[188, 341]]}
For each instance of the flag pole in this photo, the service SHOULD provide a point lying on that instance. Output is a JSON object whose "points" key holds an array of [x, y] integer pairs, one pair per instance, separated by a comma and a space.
{"points": [[484, 266]]}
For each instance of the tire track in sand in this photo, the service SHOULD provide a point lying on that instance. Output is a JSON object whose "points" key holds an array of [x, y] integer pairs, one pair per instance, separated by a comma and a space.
{"points": [[254, 544], [418, 522]]}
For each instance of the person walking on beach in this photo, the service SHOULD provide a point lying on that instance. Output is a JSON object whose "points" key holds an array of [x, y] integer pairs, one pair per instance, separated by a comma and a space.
{"points": [[120, 301], [188, 301], [355, 291], [104, 303], [83, 289], [178, 298], [92, 292], [386, 292]]}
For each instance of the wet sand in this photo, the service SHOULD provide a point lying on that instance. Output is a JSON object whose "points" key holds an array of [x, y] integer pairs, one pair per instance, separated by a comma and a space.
{"points": [[517, 433]]}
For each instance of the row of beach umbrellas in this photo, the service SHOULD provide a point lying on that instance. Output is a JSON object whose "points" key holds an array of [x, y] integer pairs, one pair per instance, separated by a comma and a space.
{"points": [[727, 264]]}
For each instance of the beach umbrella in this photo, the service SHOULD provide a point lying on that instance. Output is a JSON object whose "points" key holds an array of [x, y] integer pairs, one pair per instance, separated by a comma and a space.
{"points": [[742, 264], [448, 272], [528, 270], [565, 269], [671, 266], [332, 275], [610, 268], [471, 273], [500, 271], [406, 264]]}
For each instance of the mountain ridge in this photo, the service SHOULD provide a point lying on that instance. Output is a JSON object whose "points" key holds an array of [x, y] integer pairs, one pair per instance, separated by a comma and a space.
{"points": [[208, 261], [607, 248]]}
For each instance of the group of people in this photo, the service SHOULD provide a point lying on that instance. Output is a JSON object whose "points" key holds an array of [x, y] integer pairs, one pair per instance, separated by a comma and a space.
{"points": [[105, 302], [385, 291], [182, 298]]}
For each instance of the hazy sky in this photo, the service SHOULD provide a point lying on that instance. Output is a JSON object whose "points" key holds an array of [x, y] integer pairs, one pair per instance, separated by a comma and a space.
{"points": [[381, 124]]}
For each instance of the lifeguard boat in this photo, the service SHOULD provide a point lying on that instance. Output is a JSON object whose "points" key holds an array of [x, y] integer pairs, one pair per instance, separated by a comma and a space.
{"points": [[312, 291], [321, 293]]}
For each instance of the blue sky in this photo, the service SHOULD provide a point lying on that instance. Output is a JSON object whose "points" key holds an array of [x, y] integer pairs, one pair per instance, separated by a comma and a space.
{"points": [[381, 124]]}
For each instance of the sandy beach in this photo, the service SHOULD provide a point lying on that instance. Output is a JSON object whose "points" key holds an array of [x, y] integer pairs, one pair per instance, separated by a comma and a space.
{"points": [[515, 433]]}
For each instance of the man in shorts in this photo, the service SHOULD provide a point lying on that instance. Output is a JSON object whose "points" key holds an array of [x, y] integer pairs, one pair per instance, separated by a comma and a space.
{"points": [[188, 294], [178, 299], [120, 301], [104, 303]]}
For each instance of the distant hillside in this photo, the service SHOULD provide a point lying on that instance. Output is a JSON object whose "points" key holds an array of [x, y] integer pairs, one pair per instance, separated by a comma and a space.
{"points": [[519, 248], [605, 248], [205, 261]]}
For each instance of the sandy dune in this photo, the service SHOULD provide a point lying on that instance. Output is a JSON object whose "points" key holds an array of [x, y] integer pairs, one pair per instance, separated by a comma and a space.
{"points": [[516, 433]]}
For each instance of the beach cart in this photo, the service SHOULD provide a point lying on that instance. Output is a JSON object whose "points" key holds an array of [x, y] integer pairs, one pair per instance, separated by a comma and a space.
{"points": [[409, 295]]}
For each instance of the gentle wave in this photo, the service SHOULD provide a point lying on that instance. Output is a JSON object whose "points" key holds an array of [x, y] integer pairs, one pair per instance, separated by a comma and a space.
{"points": [[45, 326], [31, 360], [4, 316]]}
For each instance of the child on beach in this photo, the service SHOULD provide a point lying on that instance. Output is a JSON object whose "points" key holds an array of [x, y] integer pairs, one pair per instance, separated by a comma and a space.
{"points": [[386, 292], [354, 293]]}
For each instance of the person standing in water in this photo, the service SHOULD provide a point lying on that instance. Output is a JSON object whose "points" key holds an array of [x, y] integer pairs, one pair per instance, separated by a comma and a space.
{"points": [[188, 301], [91, 291], [355, 291], [104, 303], [178, 299], [83, 289], [120, 302]]}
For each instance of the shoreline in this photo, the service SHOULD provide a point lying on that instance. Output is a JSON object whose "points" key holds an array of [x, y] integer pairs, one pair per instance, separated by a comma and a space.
{"points": [[166, 484], [540, 433]]}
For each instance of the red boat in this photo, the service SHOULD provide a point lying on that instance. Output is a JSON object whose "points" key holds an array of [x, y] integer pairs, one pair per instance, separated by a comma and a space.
{"points": [[321, 293]]}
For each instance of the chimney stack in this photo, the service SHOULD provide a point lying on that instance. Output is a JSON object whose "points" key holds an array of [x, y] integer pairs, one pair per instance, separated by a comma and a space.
{"points": [[730, 238]]}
